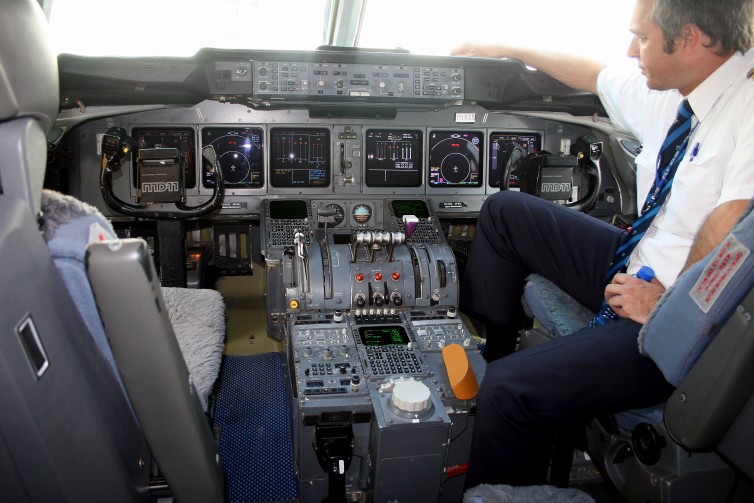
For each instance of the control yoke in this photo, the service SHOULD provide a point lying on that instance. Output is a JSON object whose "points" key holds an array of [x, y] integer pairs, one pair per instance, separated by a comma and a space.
{"points": [[160, 173], [552, 176]]}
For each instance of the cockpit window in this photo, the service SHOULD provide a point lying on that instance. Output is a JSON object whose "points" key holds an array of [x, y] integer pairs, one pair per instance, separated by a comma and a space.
{"points": [[170, 28], [426, 27], [434, 27]]}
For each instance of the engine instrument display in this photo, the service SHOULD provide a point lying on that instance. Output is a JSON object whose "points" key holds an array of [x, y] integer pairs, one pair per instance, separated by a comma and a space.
{"points": [[507, 151], [455, 158], [389, 335], [180, 138], [240, 153], [299, 157], [393, 158], [415, 207]]}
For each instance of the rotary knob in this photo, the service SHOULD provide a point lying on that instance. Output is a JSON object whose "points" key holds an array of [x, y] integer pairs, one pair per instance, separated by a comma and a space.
{"points": [[410, 396]]}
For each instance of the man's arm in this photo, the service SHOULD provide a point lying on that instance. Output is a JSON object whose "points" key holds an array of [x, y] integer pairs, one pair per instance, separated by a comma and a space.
{"points": [[574, 71], [633, 298], [714, 229]]}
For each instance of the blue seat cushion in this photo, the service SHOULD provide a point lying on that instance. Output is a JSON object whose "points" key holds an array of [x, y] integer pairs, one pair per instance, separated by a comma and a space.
{"points": [[560, 315]]}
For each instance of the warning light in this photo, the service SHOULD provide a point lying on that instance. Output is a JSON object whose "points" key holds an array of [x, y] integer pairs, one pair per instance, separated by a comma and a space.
{"points": [[378, 276], [359, 277], [396, 276], [293, 304]]}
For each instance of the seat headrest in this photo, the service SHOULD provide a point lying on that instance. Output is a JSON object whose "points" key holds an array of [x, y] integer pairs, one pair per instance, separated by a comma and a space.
{"points": [[28, 65]]}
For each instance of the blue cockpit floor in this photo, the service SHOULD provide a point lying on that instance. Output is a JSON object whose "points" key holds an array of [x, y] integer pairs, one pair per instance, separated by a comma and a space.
{"points": [[252, 415]]}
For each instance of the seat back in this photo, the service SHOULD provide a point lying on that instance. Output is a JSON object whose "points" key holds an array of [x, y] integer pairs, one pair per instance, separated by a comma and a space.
{"points": [[712, 409], [67, 428], [64, 434], [127, 291]]}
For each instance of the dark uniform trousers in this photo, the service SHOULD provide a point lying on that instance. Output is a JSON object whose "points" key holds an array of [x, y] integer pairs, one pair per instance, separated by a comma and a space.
{"points": [[529, 395]]}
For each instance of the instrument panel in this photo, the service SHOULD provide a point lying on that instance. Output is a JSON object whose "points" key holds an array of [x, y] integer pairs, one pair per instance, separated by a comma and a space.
{"points": [[453, 156]]}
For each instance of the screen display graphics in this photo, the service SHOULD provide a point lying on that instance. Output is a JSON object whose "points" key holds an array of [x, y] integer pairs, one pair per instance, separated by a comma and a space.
{"points": [[299, 157], [180, 138], [455, 159], [417, 208], [393, 158], [388, 335], [240, 152], [507, 151]]}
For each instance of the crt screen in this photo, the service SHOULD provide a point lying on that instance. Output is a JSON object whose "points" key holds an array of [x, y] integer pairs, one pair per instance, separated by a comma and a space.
{"points": [[388, 335], [510, 148], [455, 159], [180, 138], [393, 158], [299, 157], [240, 153]]}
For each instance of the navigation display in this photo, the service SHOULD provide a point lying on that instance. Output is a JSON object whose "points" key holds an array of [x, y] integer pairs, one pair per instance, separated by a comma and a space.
{"points": [[299, 157], [393, 158], [240, 153], [389, 335], [180, 138], [455, 159], [507, 151]]}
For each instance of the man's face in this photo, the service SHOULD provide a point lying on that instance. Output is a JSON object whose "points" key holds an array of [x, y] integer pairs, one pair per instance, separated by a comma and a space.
{"points": [[647, 46]]}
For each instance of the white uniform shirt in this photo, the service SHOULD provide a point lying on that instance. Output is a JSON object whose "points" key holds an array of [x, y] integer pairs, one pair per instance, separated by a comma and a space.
{"points": [[719, 161]]}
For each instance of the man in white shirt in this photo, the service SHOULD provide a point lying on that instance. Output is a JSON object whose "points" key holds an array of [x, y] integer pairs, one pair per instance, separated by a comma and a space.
{"points": [[684, 49]]}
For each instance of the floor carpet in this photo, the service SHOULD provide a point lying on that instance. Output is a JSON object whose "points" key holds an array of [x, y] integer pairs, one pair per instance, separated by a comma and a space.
{"points": [[252, 414]]}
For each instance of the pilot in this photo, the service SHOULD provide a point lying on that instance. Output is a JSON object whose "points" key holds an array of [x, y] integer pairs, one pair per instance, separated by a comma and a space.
{"points": [[690, 51]]}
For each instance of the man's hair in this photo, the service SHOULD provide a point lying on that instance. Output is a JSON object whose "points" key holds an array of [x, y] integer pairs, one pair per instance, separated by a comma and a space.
{"points": [[727, 22]]}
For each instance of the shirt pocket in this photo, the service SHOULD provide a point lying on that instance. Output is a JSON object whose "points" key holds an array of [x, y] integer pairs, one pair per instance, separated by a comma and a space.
{"points": [[695, 192]]}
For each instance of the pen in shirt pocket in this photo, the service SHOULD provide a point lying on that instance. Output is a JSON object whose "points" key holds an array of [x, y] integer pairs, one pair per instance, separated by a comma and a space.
{"points": [[694, 152]]}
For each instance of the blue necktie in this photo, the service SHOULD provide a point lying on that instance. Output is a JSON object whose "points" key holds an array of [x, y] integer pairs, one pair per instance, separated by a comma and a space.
{"points": [[671, 153]]}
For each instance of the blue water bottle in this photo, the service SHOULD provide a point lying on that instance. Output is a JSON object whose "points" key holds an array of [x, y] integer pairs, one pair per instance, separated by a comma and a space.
{"points": [[606, 313]]}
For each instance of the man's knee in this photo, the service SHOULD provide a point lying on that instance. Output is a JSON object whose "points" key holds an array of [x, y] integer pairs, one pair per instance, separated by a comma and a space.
{"points": [[500, 381], [504, 201]]}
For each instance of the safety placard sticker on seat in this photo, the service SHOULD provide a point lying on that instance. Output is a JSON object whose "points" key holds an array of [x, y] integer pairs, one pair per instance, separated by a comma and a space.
{"points": [[727, 261]]}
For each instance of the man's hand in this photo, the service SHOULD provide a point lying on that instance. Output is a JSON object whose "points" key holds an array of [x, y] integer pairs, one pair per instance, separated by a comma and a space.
{"points": [[633, 298], [574, 71], [469, 49]]}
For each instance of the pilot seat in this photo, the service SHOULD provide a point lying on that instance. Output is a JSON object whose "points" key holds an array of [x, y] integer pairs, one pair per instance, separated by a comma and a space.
{"points": [[98, 401], [690, 448]]}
